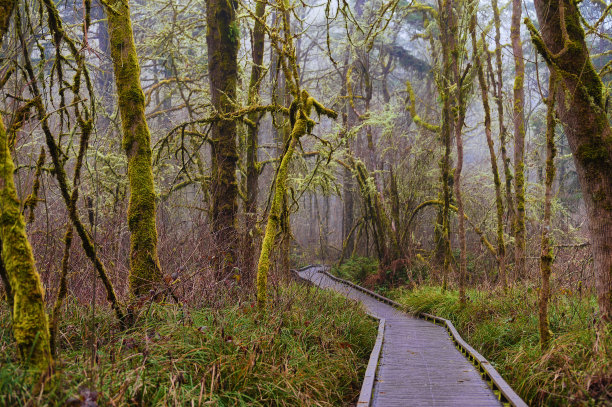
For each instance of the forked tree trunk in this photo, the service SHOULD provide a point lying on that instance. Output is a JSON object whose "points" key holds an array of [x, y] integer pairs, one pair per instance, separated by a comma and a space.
{"points": [[223, 33], [303, 108], [145, 272], [581, 108]]}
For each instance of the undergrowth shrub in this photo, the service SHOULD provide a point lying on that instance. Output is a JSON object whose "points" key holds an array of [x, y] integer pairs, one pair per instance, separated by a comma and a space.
{"points": [[356, 269]]}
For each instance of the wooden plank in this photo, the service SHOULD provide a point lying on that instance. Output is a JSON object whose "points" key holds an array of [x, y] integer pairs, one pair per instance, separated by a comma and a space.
{"points": [[422, 363]]}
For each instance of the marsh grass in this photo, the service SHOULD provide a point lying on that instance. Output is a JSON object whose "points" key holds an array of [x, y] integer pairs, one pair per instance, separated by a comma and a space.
{"points": [[310, 347]]}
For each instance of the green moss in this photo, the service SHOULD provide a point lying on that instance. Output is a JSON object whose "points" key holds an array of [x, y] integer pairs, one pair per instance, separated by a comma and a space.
{"points": [[300, 128], [145, 271], [30, 325], [591, 152]]}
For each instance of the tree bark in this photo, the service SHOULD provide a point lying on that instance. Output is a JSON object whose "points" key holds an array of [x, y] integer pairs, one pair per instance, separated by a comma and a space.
{"points": [[302, 123], [252, 177], [145, 272], [499, 203], [519, 139], [447, 24], [546, 256], [222, 37], [581, 108], [499, 98]]}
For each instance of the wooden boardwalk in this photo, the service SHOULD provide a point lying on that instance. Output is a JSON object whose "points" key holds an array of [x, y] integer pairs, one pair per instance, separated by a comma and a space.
{"points": [[419, 364]]}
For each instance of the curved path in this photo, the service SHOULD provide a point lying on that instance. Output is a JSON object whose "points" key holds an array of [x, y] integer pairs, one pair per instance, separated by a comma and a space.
{"points": [[419, 364]]}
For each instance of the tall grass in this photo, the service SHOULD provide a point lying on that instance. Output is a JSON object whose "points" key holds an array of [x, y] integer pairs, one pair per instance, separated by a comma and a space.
{"points": [[309, 348]]}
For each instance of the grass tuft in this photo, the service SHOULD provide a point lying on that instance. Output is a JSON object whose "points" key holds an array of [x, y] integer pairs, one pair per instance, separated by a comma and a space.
{"points": [[309, 348]]}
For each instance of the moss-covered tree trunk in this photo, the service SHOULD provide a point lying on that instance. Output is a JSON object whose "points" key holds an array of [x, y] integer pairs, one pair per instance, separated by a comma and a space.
{"points": [[145, 271], [581, 107], [30, 323], [348, 212], [546, 252], [301, 126], [519, 139], [222, 37], [248, 274]]}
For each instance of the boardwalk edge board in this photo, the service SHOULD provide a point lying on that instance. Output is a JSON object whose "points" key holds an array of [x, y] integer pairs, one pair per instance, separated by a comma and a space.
{"points": [[365, 396], [502, 390]]}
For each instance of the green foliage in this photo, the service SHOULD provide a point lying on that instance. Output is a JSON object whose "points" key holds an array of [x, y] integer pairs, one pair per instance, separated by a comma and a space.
{"points": [[356, 269], [504, 328], [310, 348]]}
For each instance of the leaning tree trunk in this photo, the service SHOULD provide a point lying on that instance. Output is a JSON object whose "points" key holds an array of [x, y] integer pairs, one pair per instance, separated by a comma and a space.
{"points": [[581, 108], [145, 271], [301, 126], [519, 139], [30, 324], [223, 33]]}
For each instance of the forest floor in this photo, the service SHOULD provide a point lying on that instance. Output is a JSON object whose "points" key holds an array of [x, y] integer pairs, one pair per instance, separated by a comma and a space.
{"points": [[503, 326], [311, 347]]}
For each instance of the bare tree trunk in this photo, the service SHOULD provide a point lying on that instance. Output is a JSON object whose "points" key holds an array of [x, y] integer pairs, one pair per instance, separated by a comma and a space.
{"points": [[446, 20], [499, 98], [546, 256], [519, 139], [581, 108], [145, 271], [223, 33], [499, 203]]}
